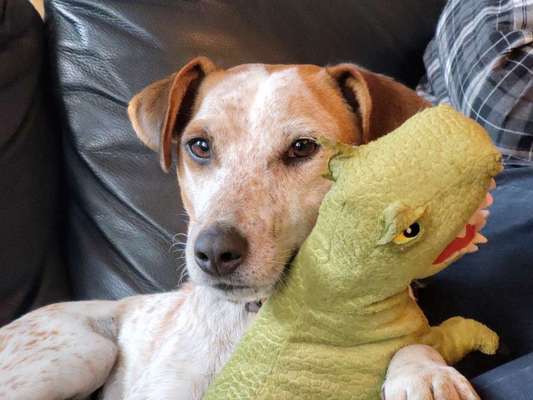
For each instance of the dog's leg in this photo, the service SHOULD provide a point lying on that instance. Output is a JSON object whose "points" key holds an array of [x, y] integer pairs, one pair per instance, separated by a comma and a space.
{"points": [[418, 372], [58, 352]]}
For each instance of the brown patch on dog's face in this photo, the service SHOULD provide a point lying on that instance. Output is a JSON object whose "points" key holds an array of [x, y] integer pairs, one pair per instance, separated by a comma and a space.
{"points": [[250, 116]]}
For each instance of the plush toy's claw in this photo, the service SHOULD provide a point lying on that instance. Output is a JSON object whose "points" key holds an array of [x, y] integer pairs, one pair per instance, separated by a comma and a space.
{"points": [[480, 239], [457, 336], [472, 248], [490, 341]]}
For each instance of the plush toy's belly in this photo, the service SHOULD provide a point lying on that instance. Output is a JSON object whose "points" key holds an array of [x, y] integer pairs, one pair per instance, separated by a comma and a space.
{"points": [[309, 371], [272, 362]]}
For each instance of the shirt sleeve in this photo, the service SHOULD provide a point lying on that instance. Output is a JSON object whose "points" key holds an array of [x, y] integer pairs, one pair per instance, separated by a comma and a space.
{"points": [[480, 61]]}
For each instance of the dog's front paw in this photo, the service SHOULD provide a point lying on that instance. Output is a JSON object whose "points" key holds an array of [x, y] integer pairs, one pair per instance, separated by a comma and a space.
{"points": [[429, 383], [419, 373]]}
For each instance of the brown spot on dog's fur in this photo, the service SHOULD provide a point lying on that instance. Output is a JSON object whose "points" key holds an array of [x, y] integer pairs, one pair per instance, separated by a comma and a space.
{"points": [[53, 307], [12, 380], [30, 344], [3, 341], [51, 348], [18, 384]]}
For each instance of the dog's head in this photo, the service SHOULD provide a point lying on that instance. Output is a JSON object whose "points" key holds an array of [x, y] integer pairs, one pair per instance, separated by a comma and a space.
{"points": [[248, 162]]}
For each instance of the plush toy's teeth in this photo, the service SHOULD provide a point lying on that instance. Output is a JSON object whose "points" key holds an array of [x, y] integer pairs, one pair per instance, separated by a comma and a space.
{"points": [[488, 201], [472, 248], [479, 238], [479, 219]]}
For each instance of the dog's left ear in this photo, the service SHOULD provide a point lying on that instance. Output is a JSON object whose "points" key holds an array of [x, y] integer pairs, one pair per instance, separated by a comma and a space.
{"points": [[160, 111], [381, 103]]}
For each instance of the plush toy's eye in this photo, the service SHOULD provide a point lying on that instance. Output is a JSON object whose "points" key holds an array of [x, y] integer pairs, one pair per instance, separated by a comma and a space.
{"points": [[408, 235]]}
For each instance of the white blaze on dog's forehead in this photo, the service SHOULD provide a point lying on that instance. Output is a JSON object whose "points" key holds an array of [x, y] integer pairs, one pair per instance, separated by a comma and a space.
{"points": [[273, 95], [257, 101], [280, 100], [234, 90], [224, 102], [204, 190]]}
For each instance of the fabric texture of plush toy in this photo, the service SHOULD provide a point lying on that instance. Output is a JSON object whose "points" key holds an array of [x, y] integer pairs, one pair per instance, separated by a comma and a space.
{"points": [[400, 208]]}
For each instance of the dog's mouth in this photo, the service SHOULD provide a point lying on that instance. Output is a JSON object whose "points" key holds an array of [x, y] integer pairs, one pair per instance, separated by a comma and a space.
{"points": [[226, 287], [237, 292], [253, 296], [469, 238]]}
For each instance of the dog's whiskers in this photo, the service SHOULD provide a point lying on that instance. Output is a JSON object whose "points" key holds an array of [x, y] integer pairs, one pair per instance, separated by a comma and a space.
{"points": [[177, 244], [183, 274]]}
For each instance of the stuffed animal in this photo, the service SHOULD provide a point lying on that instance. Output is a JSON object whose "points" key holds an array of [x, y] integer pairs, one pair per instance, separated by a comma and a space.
{"points": [[400, 208]]}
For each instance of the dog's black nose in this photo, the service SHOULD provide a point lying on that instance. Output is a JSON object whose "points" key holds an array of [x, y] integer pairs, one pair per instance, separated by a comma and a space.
{"points": [[219, 250]]}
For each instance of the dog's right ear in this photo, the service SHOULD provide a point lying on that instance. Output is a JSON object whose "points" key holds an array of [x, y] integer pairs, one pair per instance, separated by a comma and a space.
{"points": [[160, 111], [381, 103]]}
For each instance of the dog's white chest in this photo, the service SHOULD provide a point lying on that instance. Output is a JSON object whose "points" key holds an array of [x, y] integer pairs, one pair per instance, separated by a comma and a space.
{"points": [[174, 345]]}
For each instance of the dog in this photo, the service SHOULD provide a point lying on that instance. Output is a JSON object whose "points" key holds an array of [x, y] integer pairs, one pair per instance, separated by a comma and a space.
{"points": [[249, 169]]}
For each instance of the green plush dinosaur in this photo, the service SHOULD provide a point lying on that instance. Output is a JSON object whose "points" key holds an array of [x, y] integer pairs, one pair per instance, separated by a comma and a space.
{"points": [[400, 208]]}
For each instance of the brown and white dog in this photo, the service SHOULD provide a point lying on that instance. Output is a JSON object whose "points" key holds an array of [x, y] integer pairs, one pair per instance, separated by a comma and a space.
{"points": [[249, 169]]}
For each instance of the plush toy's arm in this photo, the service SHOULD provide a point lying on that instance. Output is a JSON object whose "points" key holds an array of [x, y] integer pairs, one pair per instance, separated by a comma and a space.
{"points": [[457, 336]]}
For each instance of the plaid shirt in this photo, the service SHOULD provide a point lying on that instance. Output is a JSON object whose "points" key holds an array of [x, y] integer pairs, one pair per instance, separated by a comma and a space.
{"points": [[481, 62]]}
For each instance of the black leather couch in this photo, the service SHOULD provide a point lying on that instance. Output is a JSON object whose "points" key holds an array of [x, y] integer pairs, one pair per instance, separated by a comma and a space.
{"points": [[85, 211]]}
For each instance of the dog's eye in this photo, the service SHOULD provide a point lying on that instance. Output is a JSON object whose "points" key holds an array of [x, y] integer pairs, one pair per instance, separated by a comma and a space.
{"points": [[302, 148], [409, 234], [199, 148]]}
